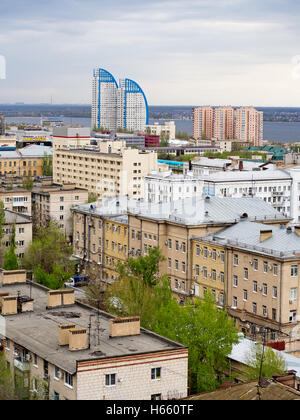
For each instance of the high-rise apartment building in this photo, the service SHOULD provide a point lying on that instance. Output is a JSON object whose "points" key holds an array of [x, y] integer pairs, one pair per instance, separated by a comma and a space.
{"points": [[2, 125], [124, 106], [249, 125], [224, 123]]}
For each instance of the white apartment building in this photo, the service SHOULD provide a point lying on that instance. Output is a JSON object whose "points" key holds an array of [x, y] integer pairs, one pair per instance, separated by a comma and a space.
{"points": [[114, 106], [168, 129], [109, 169], [23, 232], [274, 187], [17, 199], [164, 187]]}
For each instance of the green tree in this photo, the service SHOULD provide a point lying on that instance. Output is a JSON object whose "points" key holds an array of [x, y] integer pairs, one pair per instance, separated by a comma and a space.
{"points": [[47, 165], [92, 197], [10, 258], [27, 182], [49, 249], [7, 391], [55, 280], [145, 267], [264, 361]]}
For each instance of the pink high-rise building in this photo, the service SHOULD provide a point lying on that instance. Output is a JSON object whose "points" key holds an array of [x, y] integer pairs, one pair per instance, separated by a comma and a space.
{"points": [[226, 123]]}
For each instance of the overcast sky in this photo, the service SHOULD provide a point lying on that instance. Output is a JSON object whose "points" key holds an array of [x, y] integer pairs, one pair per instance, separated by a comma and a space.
{"points": [[181, 52]]}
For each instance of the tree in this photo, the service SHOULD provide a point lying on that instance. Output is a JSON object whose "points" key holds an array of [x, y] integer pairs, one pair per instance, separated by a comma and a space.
{"points": [[265, 362], [10, 258], [92, 197], [7, 391], [27, 182], [47, 165], [145, 267], [54, 280], [49, 249]]}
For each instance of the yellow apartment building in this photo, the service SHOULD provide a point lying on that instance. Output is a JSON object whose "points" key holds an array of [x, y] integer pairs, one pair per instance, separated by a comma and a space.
{"points": [[109, 169], [24, 162]]}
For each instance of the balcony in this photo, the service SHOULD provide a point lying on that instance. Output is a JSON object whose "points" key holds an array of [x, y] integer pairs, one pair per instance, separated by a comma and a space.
{"points": [[21, 364]]}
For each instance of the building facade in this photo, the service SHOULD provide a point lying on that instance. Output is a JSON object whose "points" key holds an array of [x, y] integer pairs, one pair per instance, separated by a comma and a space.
{"points": [[166, 130], [75, 359], [21, 225], [124, 106], [109, 169]]}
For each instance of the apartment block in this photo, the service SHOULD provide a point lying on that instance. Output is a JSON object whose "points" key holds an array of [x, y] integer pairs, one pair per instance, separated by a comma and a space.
{"points": [[44, 342], [168, 129], [224, 123], [24, 162], [54, 202], [17, 200], [109, 169], [23, 231], [171, 226], [257, 268]]}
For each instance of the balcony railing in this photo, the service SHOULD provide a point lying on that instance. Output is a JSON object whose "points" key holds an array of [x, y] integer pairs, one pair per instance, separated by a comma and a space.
{"points": [[22, 365]]}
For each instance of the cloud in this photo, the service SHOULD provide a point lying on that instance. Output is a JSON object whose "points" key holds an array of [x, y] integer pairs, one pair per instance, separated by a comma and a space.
{"points": [[180, 52]]}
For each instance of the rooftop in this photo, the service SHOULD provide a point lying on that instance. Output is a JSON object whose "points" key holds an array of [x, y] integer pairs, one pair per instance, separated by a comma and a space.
{"points": [[188, 211], [12, 217], [37, 331], [270, 391], [283, 242]]}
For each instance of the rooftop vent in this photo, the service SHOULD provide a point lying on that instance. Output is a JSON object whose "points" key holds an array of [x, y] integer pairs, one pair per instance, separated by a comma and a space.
{"points": [[13, 277], [78, 339], [9, 305], [289, 229], [63, 333], [244, 216], [122, 327], [58, 298]]}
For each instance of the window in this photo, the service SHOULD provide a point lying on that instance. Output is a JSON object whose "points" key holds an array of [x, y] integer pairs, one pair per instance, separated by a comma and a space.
{"points": [[197, 250], [235, 281], [234, 302], [170, 243], [246, 273], [156, 397], [293, 316], [169, 261], [221, 298], [222, 256], [274, 292], [293, 293], [294, 270], [214, 255], [236, 259], [265, 289], [183, 267], [56, 372], [176, 284], [264, 311], [254, 307], [110, 380], [183, 247], [205, 252], [35, 360], [61, 198], [222, 277], [245, 295], [176, 264], [205, 272], [197, 270], [265, 267], [255, 286], [275, 269], [56, 396], [156, 373], [214, 275], [68, 379], [274, 315], [176, 245]]}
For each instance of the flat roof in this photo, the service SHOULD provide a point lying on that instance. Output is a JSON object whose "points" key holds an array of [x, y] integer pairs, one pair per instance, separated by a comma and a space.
{"points": [[37, 331]]}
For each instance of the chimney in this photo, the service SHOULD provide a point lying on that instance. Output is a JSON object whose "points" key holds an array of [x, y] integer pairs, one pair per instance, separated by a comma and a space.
{"points": [[265, 234], [58, 298], [297, 230], [63, 333], [122, 327], [9, 305], [78, 339], [289, 379], [289, 229], [13, 277]]}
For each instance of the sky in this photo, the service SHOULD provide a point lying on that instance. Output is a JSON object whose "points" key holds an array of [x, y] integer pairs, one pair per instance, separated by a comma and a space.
{"points": [[187, 52]]}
